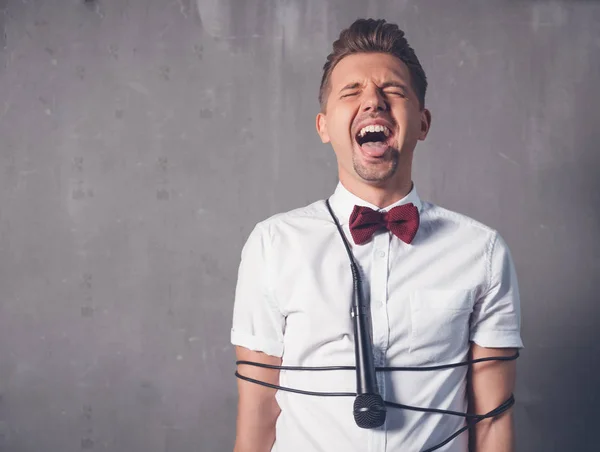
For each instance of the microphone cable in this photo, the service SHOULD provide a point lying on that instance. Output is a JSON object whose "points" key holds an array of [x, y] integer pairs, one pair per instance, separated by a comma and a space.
{"points": [[471, 419]]}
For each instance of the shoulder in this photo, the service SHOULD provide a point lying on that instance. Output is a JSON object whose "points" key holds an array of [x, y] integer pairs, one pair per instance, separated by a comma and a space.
{"points": [[464, 236], [301, 219], [432, 212], [441, 220]]}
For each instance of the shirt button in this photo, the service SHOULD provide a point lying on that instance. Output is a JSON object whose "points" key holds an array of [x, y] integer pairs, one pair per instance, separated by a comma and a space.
{"points": [[381, 254]]}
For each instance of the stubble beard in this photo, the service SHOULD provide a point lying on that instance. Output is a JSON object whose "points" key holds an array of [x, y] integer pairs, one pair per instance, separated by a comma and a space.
{"points": [[379, 172]]}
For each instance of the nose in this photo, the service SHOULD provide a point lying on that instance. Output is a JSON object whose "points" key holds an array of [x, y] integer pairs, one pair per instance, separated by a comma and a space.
{"points": [[374, 100]]}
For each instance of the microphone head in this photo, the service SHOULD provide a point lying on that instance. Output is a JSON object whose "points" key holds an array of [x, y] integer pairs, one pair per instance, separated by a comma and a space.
{"points": [[369, 410]]}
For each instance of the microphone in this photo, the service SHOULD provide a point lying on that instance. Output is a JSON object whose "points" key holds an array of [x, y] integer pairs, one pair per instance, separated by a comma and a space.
{"points": [[369, 408]]}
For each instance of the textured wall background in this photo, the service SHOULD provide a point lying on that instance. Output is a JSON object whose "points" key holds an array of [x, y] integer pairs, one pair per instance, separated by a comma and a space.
{"points": [[141, 140]]}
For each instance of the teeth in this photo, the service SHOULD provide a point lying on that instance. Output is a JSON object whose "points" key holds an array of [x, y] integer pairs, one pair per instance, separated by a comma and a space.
{"points": [[374, 128]]}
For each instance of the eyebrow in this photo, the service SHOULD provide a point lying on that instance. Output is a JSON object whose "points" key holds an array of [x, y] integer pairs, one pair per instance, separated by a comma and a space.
{"points": [[353, 85]]}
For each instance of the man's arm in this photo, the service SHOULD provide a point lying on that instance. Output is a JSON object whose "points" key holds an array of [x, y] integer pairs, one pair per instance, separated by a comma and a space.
{"points": [[490, 384], [257, 408]]}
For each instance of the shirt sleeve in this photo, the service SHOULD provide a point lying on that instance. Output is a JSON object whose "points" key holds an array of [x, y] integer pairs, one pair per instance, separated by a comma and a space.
{"points": [[257, 320], [496, 317]]}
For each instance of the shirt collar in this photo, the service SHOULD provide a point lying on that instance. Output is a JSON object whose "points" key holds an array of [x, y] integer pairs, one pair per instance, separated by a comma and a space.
{"points": [[343, 202]]}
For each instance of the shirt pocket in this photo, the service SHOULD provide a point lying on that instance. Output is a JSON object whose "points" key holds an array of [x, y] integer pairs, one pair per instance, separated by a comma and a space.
{"points": [[440, 324]]}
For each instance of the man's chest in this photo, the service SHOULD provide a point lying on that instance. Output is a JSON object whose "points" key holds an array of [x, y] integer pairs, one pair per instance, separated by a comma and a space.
{"points": [[420, 299]]}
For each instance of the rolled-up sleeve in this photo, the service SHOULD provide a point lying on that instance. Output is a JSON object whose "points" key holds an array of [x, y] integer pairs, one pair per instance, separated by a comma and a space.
{"points": [[257, 320], [496, 317]]}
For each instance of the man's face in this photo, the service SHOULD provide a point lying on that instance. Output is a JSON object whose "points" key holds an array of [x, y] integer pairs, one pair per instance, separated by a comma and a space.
{"points": [[373, 119]]}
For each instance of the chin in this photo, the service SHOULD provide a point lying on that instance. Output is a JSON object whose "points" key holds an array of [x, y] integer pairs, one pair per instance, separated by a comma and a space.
{"points": [[376, 169], [376, 175]]}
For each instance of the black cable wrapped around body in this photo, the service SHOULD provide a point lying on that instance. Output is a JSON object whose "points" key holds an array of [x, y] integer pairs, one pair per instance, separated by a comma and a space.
{"points": [[369, 407]]}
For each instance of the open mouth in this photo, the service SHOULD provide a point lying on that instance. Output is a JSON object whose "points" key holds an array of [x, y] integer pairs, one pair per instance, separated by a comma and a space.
{"points": [[373, 139]]}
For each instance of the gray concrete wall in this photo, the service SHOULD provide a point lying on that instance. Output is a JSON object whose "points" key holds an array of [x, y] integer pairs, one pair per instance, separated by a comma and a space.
{"points": [[141, 140]]}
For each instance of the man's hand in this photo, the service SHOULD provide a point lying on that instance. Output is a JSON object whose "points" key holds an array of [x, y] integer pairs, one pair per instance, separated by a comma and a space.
{"points": [[490, 384], [257, 408]]}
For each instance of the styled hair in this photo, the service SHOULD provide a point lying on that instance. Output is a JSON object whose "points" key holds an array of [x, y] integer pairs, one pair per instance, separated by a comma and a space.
{"points": [[374, 36]]}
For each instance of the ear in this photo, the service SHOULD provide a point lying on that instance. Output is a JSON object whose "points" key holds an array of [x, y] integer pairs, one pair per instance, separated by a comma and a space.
{"points": [[322, 128], [425, 124]]}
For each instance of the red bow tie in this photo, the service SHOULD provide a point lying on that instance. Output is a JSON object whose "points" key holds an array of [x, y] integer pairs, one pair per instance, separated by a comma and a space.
{"points": [[402, 221]]}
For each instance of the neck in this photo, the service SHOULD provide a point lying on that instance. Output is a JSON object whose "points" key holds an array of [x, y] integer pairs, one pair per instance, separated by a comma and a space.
{"points": [[379, 194]]}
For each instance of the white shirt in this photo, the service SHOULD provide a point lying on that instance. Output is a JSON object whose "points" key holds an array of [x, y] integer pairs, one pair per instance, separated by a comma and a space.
{"points": [[454, 284]]}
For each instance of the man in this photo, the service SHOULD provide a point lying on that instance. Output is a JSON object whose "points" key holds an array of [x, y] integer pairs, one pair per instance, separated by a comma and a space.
{"points": [[441, 293]]}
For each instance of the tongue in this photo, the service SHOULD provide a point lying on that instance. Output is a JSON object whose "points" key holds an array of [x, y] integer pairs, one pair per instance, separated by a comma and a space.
{"points": [[374, 148]]}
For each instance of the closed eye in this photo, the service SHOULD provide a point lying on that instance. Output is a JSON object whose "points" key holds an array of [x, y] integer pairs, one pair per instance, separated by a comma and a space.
{"points": [[396, 93], [349, 94]]}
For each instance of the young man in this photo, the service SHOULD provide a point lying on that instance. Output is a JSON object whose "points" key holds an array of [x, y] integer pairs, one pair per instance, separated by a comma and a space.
{"points": [[441, 286]]}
